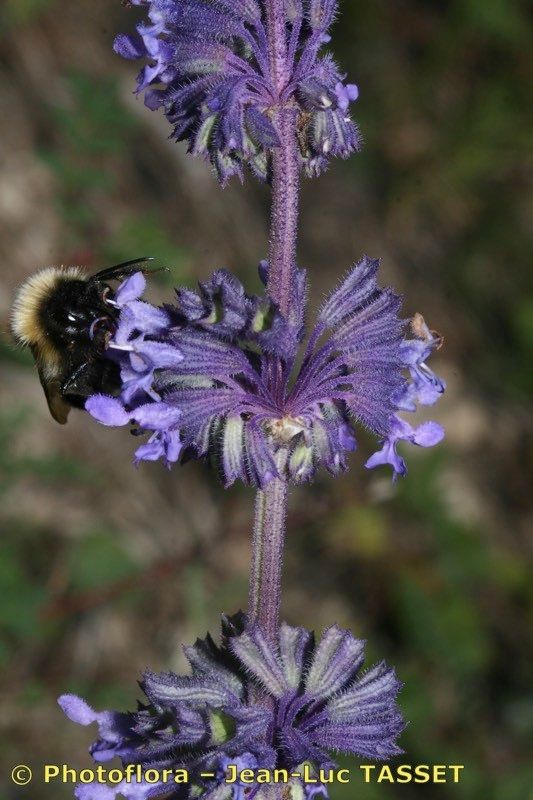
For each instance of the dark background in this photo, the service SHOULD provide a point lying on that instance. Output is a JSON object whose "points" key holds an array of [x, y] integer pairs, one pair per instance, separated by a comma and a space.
{"points": [[105, 570]]}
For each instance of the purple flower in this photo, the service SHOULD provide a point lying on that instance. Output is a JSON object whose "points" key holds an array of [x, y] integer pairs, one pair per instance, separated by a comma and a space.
{"points": [[160, 418], [425, 435], [314, 701], [222, 375], [208, 67]]}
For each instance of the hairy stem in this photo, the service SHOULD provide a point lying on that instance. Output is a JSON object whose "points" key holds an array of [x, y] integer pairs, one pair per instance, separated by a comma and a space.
{"points": [[277, 42], [271, 503], [267, 562], [284, 220]]}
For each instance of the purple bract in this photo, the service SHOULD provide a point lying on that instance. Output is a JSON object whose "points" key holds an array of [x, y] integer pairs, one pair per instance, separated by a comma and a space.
{"points": [[223, 375], [208, 67], [315, 700]]}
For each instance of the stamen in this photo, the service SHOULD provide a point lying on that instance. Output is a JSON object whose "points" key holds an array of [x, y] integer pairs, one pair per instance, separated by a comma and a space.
{"points": [[284, 429]]}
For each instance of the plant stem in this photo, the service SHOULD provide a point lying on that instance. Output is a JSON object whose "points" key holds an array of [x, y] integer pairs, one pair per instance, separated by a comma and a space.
{"points": [[276, 21], [267, 561], [271, 503], [285, 166], [284, 220]]}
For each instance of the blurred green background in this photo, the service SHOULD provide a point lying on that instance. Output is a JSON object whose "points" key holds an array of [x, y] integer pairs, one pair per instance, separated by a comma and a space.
{"points": [[105, 570]]}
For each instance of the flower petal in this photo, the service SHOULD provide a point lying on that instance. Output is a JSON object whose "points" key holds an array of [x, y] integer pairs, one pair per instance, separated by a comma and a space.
{"points": [[107, 410], [131, 289], [156, 416], [77, 709], [428, 434]]}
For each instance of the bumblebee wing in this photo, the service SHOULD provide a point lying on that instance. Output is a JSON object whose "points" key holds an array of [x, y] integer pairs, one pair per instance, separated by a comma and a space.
{"points": [[92, 377], [120, 271], [58, 406]]}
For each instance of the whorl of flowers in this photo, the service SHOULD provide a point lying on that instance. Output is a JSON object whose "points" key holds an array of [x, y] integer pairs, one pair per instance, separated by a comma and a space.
{"points": [[223, 375], [209, 68], [315, 700]]}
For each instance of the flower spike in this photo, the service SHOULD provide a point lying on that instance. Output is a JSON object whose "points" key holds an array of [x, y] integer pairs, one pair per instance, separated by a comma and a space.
{"points": [[316, 701], [217, 376], [207, 66]]}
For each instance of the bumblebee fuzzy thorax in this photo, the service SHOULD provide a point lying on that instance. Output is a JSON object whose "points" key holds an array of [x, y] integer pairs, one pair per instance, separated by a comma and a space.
{"points": [[27, 325]]}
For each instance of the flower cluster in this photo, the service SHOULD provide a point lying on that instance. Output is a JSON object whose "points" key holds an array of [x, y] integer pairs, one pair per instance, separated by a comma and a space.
{"points": [[314, 700], [209, 68], [223, 375]]}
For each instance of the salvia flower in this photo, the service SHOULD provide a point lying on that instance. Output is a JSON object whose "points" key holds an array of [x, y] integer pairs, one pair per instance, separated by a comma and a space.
{"points": [[250, 705], [222, 375], [208, 67]]}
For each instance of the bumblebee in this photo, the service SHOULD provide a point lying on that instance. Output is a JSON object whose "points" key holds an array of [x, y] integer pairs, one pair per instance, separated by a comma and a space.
{"points": [[66, 318]]}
